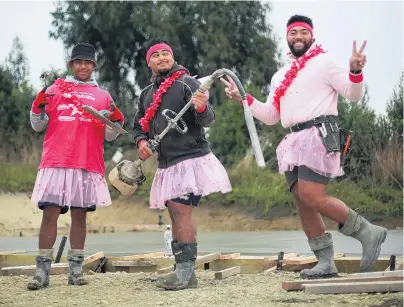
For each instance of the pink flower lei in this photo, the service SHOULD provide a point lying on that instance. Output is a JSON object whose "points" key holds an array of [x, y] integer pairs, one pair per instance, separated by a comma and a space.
{"points": [[291, 74], [66, 88], [157, 99]]}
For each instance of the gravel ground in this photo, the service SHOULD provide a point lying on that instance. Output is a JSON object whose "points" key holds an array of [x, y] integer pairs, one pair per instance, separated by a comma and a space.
{"points": [[123, 289]]}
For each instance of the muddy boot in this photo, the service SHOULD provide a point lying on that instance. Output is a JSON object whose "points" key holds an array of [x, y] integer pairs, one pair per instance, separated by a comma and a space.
{"points": [[75, 258], [43, 269], [184, 275], [323, 249], [370, 236], [172, 249]]}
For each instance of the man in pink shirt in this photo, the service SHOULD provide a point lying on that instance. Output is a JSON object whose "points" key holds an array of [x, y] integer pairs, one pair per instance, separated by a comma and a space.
{"points": [[304, 96], [71, 171]]}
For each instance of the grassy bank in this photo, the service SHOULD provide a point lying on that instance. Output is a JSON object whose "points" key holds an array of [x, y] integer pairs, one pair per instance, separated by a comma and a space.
{"points": [[253, 189]]}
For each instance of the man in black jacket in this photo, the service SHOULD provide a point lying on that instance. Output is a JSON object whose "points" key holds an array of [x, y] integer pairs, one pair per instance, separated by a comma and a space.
{"points": [[187, 169]]}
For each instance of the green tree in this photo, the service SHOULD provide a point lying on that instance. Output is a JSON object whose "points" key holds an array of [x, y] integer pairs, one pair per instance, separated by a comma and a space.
{"points": [[17, 63], [205, 36], [16, 96], [361, 120], [395, 109]]}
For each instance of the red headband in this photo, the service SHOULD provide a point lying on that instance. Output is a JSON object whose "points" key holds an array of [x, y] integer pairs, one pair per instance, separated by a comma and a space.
{"points": [[155, 48], [301, 24]]}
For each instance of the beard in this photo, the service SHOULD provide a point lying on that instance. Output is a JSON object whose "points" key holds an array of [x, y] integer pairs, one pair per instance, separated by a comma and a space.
{"points": [[299, 52], [163, 71]]}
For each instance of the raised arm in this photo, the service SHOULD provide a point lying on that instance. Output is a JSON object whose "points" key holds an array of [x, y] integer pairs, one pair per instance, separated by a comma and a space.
{"points": [[43, 99], [348, 83]]}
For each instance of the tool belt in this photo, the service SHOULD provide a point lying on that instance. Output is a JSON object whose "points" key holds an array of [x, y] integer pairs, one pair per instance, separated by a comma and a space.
{"points": [[332, 136]]}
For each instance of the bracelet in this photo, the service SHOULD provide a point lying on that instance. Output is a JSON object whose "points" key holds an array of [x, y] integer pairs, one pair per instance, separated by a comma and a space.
{"points": [[356, 72]]}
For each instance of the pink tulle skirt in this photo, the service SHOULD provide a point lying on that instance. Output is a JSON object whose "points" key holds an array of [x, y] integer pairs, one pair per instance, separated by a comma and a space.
{"points": [[306, 148], [71, 187], [201, 176]]}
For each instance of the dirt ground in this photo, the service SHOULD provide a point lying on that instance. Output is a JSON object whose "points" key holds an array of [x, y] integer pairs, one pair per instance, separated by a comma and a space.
{"points": [[124, 290]]}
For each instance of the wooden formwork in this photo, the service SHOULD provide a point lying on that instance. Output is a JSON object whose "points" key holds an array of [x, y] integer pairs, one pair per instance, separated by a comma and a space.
{"points": [[384, 278]]}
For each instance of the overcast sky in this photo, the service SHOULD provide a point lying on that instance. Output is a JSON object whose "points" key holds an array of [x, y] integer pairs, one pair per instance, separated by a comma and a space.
{"points": [[336, 25]]}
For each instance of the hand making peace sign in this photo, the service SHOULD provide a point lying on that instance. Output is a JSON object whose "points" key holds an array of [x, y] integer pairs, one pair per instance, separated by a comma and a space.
{"points": [[358, 59]]}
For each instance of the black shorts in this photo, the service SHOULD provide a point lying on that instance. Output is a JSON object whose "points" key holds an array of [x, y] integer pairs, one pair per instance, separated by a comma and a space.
{"points": [[304, 173], [63, 209], [188, 199]]}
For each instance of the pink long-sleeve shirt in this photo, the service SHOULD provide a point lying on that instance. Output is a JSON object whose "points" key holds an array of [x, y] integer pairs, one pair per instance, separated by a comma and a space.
{"points": [[71, 140], [313, 93]]}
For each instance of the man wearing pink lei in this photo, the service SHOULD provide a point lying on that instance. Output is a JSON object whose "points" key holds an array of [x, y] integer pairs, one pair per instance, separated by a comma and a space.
{"points": [[187, 168], [304, 96], [71, 171]]}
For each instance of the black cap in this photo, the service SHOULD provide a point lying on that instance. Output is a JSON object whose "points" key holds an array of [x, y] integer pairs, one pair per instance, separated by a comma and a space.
{"points": [[83, 51]]}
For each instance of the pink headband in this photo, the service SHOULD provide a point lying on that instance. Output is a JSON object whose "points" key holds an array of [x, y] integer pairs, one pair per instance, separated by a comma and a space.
{"points": [[157, 47], [300, 24]]}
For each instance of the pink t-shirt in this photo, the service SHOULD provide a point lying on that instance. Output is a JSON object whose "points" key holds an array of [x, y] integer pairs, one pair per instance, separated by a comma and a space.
{"points": [[313, 93], [72, 140]]}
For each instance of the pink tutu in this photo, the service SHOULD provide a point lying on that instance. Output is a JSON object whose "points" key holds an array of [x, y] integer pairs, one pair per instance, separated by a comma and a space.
{"points": [[201, 176], [306, 148], [71, 187]]}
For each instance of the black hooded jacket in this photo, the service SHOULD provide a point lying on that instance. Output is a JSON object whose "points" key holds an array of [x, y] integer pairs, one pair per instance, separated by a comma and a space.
{"points": [[175, 147]]}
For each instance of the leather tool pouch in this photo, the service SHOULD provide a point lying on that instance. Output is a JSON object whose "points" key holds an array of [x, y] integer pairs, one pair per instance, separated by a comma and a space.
{"points": [[330, 136]]}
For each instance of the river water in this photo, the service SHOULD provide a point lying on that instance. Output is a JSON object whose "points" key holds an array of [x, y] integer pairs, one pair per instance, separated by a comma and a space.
{"points": [[246, 243]]}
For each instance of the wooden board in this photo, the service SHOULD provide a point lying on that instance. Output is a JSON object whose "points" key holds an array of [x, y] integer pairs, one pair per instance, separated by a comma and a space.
{"points": [[134, 263], [352, 264], [143, 256], [13, 252], [355, 287], [306, 259], [399, 273], [200, 260], [227, 272], [299, 260], [296, 264], [93, 258], [56, 268], [299, 284], [20, 260], [207, 258], [230, 256], [247, 265]]}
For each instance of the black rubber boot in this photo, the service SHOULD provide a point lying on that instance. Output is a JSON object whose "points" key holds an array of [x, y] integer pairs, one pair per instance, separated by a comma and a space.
{"points": [[43, 270], [75, 258], [370, 236], [184, 275], [323, 249]]}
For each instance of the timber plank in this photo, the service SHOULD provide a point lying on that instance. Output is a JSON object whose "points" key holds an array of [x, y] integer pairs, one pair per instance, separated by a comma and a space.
{"points": [[200, 260], [299, 284], [355, 287], [56, 268], [230, 256], [227, 272], [399, 273], [13, 252]]}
